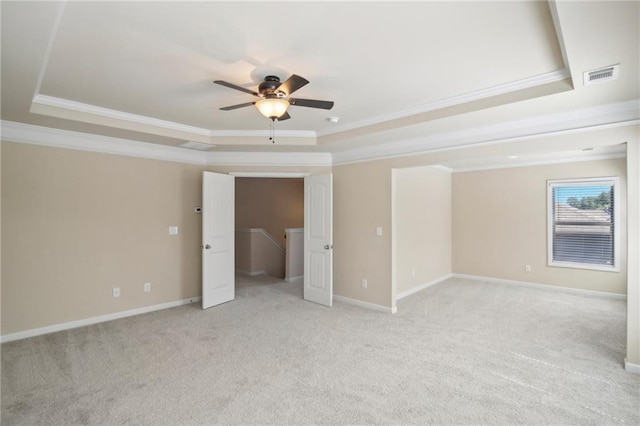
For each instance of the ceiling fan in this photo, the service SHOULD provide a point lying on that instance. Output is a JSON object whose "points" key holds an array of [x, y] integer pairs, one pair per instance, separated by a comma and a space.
{"points": [[275, 97]]}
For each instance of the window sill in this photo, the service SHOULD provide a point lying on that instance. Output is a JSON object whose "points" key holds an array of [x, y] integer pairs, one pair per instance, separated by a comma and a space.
{"points": [[587, 266]]}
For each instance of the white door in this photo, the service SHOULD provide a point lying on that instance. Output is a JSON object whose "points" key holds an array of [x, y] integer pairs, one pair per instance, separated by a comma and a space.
{"points": [[218, 239], [318, 239]]}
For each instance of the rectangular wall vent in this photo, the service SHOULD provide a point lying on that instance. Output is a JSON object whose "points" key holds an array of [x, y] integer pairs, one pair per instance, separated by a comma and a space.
{"points": [[601, 74], [197, 145]]}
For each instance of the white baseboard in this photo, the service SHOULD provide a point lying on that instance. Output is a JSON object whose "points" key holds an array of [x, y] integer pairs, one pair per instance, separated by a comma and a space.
{"points": [[292, 279], [631, 367], [422, 286], [544, 286], [365, 305], [250, 273], [93, 320]]}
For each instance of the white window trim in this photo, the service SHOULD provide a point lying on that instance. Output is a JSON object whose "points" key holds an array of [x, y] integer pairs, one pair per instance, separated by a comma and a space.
{"points": [[616, 222]]}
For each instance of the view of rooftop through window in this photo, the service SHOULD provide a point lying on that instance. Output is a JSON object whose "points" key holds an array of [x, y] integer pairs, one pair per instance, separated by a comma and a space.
{"points": [[596, 197]]}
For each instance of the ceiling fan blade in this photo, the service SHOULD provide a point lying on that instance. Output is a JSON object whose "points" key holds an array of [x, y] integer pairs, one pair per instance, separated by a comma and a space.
{"points": [[229, 108], [311, 103], [233, 86], [292, 84], [284, 116]]}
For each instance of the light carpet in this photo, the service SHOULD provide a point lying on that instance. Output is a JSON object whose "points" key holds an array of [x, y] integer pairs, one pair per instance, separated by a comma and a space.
{"points": [[461, 352]]}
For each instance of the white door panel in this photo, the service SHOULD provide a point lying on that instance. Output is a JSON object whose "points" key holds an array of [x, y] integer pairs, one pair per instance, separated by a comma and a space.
{"points": [[318, 236], [218, 239]]}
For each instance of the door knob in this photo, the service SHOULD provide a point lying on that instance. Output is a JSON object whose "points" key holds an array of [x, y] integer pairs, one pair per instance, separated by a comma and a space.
{"points": [[327, 247], [207, 246]]}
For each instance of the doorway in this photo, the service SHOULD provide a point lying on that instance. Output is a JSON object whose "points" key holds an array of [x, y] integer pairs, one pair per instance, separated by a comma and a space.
{"points": [[265, 208], [218, 236]]}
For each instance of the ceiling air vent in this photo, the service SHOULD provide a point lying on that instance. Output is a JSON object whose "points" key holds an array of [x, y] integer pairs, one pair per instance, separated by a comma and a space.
{"points": [[601, 74], [197, 145]]}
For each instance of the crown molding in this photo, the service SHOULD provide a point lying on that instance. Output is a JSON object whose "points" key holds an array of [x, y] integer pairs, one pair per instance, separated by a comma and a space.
{"points": [[270, 159], [65, 104], [588, 119], [287, 175], [594, 118], [115, 114], [56, 138], [501, 89], [547, 161]]}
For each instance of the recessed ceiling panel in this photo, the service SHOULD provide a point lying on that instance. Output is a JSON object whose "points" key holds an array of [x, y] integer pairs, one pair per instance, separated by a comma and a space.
{"points": [[373, 59]]}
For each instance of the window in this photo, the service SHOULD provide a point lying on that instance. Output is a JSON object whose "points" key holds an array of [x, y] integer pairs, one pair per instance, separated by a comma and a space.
{"points": [[582, 223]]}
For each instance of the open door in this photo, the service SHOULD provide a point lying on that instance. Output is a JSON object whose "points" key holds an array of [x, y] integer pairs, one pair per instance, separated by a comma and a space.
{"points": [[318, 239], [218, 239]]}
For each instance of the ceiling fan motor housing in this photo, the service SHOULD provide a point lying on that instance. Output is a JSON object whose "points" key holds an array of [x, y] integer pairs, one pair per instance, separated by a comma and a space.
{"points": [[270, 86]]}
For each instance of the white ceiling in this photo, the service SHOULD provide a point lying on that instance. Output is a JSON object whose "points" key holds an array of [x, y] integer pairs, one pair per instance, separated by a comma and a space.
{"points": [[397, 71]]}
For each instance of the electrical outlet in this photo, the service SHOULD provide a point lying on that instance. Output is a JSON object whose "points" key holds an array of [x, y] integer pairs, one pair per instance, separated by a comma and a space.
{"points": [[116, 292], [527, 268], [365, 284], [413, 272], [147, 287]]}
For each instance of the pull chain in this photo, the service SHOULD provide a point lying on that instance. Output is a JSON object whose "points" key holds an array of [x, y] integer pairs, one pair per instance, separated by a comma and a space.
{"points": [[271, 131]]}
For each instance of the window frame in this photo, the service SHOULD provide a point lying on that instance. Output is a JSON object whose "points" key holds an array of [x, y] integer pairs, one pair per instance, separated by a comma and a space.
{"points": [[615, 182]]}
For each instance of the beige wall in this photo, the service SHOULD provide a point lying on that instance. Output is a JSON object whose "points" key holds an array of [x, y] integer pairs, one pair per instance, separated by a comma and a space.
{"points": [[500, 224], [270, 203], [76, 224], [361, 202], [257, 254], [294, 261], [243, 252], [422, 226]]}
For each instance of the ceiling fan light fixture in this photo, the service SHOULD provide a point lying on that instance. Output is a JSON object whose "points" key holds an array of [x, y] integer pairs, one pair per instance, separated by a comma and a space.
{"points": [[272, 107]]}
